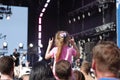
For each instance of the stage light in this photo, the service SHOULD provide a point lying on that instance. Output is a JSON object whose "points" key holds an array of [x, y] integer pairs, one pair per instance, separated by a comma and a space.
{"points": [[41, 14], [20, 45], [69, 21], [88, 39], [89, 14], [83, 41], [40, 28], [100, 37], [78, 17], [39, 35], [48, 1], [30, 45], [5, 45], [43, 10], [41, 45], [99, 9], [7, 16], [46, 4], [74, 19], [40, 20], [83, 16]]}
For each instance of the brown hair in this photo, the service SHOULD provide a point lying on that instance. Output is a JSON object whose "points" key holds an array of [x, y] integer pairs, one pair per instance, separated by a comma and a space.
{"points": [[107, 56], [61, 38], [86, 67], [63, 69], [78, 75], [6, 65]]}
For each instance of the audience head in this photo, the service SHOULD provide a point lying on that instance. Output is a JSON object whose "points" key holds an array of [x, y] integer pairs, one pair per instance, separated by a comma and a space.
{"points": [[78, 62], [25, 73], [41, 71], [85, 67], [25, 77], [6, 65], [15, 50], [63, 69], [78, 75], [61, 37], [106, 57]]}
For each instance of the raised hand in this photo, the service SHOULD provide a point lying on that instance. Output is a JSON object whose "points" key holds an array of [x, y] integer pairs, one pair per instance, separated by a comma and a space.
{"points": [[50, 41], [47, 55], [72, 41]]}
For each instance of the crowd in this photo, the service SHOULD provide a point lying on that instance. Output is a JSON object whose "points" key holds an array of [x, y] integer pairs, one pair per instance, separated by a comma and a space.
{"points": [[105, 63]]}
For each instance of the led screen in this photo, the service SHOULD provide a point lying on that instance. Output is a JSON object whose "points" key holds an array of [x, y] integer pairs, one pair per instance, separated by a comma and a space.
{"points": [[14, 30], [118, 21]]}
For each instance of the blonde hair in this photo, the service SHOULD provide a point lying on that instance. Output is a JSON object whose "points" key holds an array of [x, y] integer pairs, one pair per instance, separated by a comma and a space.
{"points": [[61, 38]]}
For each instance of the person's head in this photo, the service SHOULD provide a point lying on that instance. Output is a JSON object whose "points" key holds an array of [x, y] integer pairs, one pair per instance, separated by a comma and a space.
{"points": [[15, 49], [41, 71], [61, 37], [6, 65], [78, 75], [78, 62], [85, 67], [25, 73], [63, 69], [106, 57], [25, 77]]}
